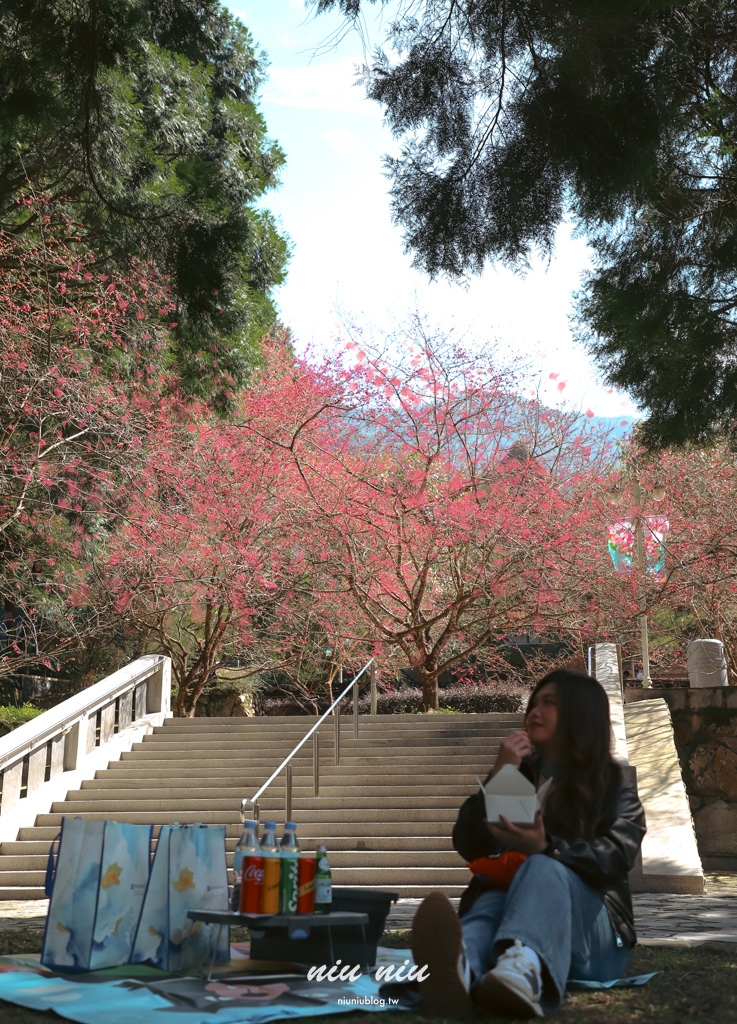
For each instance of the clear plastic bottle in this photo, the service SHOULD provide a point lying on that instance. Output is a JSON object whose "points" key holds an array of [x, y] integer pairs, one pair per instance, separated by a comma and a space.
{"points": [[247, 845], [272, 870], [323, 882], [268, 840], [289, 881]]}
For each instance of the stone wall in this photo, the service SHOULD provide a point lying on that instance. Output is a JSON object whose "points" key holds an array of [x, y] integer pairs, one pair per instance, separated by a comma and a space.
{"points": [[705, 731], [223, 702]]}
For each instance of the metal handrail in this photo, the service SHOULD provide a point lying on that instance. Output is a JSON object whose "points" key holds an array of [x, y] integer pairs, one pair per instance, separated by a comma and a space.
{"points": [[287, 762]]}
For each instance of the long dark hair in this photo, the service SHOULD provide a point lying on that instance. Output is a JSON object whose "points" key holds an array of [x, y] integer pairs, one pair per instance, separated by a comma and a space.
{"points": [[588, 778]]}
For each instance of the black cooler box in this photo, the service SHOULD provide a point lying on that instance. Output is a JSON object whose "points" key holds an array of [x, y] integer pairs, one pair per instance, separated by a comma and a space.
{"points": [[348, 944]]}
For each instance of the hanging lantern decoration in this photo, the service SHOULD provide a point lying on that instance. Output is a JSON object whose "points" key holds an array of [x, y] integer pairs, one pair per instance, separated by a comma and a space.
{"points": [[621, 536], [622, 549]]}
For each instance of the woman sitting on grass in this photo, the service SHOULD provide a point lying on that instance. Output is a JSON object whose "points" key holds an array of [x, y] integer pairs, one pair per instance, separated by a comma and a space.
{"points": [[567, 912]]}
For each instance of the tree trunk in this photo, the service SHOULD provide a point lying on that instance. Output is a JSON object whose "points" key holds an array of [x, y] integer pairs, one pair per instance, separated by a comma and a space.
{"points": [[429, 688]]}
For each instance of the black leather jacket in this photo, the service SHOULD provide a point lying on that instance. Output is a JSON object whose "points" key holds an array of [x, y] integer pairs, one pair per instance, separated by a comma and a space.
{"points": [[603, 862]]}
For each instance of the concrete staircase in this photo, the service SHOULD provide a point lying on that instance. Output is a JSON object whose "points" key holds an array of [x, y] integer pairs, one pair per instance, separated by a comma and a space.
{"points": [[386, 813]]}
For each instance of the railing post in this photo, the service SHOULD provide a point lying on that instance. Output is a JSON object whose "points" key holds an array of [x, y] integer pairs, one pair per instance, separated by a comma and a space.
{"points": [[373, 688], [316, 762], [250, 809], [355, 710], [289, 793], [336, 717]]}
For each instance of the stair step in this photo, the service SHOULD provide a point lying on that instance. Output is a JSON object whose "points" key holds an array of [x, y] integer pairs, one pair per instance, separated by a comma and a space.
{"points": [[362, 875], [386, 793], [414, 721], [24, 862], [371, 817], [461, 782], [32, 855], [22, 893], [29, 848], [369, 802], [24, 879], [265, 744], [29, 872], [118, 772], [40, 839], [433, 877], [327, 732], [216, 760], [403, 891]]}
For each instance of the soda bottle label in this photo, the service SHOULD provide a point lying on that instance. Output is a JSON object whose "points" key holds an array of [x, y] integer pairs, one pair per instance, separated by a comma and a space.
{"points": [[288, 885], [251, 884], [323, 890], [270, 890]]}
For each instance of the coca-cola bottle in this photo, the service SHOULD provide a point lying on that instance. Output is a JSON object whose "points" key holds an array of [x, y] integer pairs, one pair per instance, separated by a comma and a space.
{"points": [[247, 846]]}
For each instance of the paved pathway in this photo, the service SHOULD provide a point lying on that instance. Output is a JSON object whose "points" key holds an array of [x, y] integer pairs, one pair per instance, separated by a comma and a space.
{"points": [[661, 919]]}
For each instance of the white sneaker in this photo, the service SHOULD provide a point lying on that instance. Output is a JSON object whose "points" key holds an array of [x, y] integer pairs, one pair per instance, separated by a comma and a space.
{"points": [[512, 988]]}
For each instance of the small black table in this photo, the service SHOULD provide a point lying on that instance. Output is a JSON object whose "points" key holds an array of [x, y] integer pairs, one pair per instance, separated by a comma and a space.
{"points": [[298, 925]]}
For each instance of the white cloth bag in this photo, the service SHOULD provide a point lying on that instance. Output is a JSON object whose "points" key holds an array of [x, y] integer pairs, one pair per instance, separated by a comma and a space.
{"points": [[189, 873]]}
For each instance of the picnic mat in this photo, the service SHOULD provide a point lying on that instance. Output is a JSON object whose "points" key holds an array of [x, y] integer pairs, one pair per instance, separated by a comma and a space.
{"points": [[242, 991], [238, 992]]}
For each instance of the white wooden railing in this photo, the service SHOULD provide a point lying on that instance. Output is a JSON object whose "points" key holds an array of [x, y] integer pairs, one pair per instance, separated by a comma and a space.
{"points": [[72, 740]]}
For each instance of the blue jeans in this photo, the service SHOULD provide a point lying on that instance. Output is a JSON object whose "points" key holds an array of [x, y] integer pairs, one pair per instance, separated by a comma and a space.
{"points": [[551, 910]]}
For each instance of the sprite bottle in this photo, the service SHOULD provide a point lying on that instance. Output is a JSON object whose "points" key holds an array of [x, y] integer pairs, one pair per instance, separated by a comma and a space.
{"points": [[288, 882]]}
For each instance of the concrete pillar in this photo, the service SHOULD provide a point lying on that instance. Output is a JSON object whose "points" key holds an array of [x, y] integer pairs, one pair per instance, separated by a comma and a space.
{"points": [[158, 689], [36, 770], [75, 747], [107, 723], [604, 666], [125, 711], [57, 755], [12, 780]]}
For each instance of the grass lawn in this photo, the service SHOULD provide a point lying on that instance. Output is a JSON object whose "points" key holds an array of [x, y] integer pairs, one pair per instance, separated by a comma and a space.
{"points": [[697, 985]]}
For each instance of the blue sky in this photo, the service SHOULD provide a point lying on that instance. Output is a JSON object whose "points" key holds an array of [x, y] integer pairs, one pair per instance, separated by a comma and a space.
{"points": [[348, 256]]}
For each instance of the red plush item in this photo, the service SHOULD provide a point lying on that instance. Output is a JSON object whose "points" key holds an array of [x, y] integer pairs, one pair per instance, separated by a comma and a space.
{"points": [[500, 869]]}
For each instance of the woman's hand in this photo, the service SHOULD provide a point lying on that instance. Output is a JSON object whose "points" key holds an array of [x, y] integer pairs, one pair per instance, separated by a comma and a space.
{"points": [[512, 749], [522, 838]]}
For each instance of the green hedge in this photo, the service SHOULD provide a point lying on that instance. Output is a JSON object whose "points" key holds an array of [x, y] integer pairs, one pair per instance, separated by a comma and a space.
{"points": [[11, 717], [501, 697]]}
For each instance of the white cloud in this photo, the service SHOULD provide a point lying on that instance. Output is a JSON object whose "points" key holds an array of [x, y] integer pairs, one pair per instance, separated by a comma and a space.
{"points": [[341, 140], [326, 86]]}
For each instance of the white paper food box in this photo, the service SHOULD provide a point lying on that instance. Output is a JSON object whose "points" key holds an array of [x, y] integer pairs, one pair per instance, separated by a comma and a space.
{"points": [[510, 794]]}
